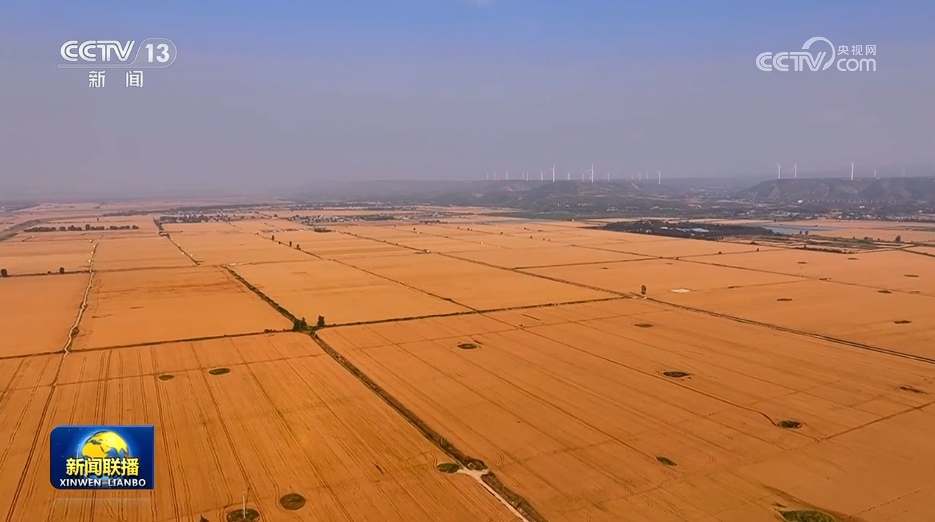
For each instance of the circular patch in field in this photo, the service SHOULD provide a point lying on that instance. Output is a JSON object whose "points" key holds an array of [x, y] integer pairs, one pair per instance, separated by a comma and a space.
{"points": [[448, 467], [467, 346], [666, 461], [675, 374], [292, 501], [789, 424], [806, 516], [219, 371], [784, 299], [243, 515], [902, 321], [166, 377], [912, 275], [643, 325], [885, 292]]}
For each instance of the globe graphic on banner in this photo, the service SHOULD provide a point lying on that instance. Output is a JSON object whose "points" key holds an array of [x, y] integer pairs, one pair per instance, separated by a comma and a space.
{"points": [[105, 444]]}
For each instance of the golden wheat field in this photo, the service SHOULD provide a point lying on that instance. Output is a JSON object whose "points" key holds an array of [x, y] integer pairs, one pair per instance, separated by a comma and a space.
{"points": [[156, 305], [38, 312], [747, 382]]}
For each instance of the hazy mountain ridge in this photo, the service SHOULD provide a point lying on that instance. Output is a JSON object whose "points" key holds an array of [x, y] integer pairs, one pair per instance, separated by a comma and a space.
{"points": [[895, 190]]}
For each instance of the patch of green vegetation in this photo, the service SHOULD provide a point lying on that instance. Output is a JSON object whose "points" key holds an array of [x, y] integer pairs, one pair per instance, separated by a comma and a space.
{"points": [[885, 292], [675, 374], [292, 501], [789, 424], [643, 325], [912, 275], [448, 467], [666, 461], [911, 389], [902, 321], [243, 515], [807, 516], [166, 377], [219, 371], [784, 299]]}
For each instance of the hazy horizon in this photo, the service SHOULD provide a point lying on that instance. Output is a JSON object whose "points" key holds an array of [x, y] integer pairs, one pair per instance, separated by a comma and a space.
{"points": [[264, 97]]}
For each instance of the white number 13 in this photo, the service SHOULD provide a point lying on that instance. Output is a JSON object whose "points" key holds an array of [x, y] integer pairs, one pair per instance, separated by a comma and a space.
{"points": [[163, 53]]}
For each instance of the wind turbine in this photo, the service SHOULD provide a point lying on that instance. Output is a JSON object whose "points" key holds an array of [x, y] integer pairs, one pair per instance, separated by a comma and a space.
{"points": [[852, 171], [592, 173], [875, 174], [569, 176], [795, 170], [553, 173], [540, 175], [508, 176], [659, 172], [779, 172]]}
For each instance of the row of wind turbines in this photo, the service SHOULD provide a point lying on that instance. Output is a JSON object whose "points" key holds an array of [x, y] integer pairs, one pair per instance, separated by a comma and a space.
{"points": [[795, 171], [641, 176]]}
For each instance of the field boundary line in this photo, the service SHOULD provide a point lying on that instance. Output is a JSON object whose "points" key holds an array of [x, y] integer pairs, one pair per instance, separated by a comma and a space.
{"points": [[822, 337], [269, 300], [474, 312], [491, 481], [175, 341], [400, 283], [182, 250], [493, 484], [72, 333], [776, 327]]}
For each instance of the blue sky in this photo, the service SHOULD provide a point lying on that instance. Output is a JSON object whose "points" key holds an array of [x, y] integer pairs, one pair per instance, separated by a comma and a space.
{"points": [[282, 93]]}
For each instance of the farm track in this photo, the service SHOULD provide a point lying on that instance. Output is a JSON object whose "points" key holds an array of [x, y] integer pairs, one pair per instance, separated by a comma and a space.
{"points": [[182, 250], [45, 408], [490, 481]]}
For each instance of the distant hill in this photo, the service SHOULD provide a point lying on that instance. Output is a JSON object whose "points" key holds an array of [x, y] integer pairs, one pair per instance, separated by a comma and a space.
{"points": [[888, 190]]}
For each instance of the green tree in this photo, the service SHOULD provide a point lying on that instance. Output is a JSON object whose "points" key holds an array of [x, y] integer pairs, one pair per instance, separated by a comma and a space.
{"points": [[61, 269], [274, 238], [643, 289], [321, 321], [899, 239], [290, 243], [3, 272], [299, 325]]}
